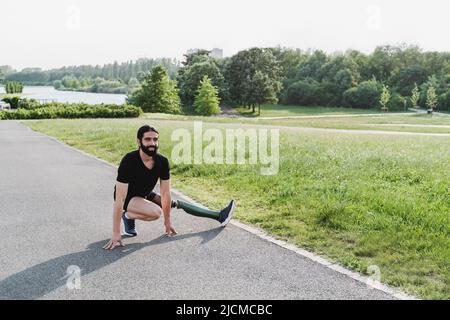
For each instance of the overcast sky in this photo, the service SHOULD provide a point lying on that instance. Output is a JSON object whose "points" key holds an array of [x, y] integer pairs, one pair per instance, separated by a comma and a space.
{"points": [[50, 33]]}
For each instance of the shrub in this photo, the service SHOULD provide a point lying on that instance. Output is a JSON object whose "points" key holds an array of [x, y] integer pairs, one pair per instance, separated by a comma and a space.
{"points": [[29, 104], [61, 110], [13, 87], [302, 93], [366, 95], [396, 102], [444, 101], [12, 100], [327, 94]]}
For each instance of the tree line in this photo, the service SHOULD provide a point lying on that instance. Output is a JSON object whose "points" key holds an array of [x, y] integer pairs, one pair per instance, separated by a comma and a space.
{"points": [[388, 78], [109, 78], [391, 78]]}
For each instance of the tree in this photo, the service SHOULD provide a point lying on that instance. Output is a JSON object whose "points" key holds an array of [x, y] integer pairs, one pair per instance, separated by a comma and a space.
{"points": [[243, 67], [259, 90], [344, 79], [6, 70], [415, 96], [57, 84], [431, 99], [70, 82], [207, 99], [191, 75], [404, 80], [311, 67], [133, 82], [157, 93], [197, 56], [383, 63], [384, 98], [289, 60]]}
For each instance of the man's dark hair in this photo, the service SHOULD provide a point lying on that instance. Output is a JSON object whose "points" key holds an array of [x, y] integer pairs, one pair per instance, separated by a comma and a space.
{"points": [[144, 129]]}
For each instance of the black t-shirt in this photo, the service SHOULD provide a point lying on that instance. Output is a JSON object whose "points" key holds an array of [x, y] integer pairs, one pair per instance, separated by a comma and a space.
{"points": [[141, 180]]}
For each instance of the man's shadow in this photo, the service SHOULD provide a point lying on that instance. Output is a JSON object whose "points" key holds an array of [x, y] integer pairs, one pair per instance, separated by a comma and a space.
{"points": [[43, 278]]}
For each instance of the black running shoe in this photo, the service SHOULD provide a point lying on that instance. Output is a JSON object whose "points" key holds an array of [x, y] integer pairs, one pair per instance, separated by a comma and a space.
{"points": [[225, 214], [129, 226]]}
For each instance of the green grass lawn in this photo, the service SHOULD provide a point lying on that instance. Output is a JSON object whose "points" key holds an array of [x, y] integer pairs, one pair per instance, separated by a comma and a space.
{"points": [[358, 200], [392, 122], [274, 110], [388, 122]]}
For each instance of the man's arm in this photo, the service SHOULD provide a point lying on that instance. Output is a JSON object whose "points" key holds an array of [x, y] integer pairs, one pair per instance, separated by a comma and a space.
{"points": [[116, 239], [166, 201]]}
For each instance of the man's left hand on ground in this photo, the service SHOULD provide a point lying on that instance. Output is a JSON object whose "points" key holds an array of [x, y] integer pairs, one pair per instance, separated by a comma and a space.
{"points": [[170, 231]]}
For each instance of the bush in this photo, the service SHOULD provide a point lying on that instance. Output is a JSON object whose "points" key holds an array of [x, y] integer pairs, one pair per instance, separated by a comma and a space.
{"points": [[13, 87], [302, 93], [328, 94], [444, 101], [366, 95], [61, 110], [29, 104], [313, 93], [57, 84], [396, 103], [13, 101]]}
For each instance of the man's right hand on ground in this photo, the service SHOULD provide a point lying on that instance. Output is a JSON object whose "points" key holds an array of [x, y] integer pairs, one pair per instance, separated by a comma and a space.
{"points": [[115, 241]]}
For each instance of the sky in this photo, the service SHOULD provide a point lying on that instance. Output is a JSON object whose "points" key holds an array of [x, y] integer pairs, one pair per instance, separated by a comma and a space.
{"points": [[55, 33]]}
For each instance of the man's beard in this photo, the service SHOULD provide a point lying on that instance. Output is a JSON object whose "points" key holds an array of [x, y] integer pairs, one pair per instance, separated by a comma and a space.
{"points": [[147, 151]]}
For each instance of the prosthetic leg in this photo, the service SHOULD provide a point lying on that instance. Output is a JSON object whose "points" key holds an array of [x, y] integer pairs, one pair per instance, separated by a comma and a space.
{"points": [[223, 216]]}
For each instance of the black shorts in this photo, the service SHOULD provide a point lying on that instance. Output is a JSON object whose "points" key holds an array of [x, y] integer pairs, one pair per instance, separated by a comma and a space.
{"points": [[150, 197]]}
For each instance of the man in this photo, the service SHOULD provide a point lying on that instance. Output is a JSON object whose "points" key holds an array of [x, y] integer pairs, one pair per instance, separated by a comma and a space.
{"points": [[134, 198]]}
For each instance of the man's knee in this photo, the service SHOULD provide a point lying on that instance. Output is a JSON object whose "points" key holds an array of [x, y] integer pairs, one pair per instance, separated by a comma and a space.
{"points": [[154, 215]]}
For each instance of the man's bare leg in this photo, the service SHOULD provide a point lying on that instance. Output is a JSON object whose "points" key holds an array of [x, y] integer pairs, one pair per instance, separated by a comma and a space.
{"points": [[142, 209]]}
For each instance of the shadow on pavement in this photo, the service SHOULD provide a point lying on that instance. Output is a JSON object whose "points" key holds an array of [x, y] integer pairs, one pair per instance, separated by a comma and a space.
{"points": [[43, 278]]}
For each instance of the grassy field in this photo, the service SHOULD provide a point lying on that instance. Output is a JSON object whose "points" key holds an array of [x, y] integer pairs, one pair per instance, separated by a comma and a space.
{"points": [[421, 123], [271, 110], [388, 122], [392, 122], [359, 200]]}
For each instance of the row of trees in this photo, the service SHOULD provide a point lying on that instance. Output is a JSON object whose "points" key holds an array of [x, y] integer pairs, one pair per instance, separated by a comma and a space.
{"points": [[288, 76], [431, 98], [313, 78], [83, 77], [98, 84], [356, 79]]}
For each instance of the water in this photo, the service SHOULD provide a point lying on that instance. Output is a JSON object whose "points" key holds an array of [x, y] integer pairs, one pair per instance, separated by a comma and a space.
{"points": [[49, 93]]}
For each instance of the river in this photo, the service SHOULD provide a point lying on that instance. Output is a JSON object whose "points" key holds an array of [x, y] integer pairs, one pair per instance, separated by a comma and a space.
{"points": [[49, 93]]}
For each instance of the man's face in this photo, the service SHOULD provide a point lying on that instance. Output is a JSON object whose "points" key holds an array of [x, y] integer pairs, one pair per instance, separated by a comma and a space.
{"points": [[149, 143]]}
